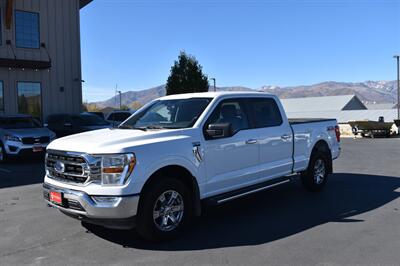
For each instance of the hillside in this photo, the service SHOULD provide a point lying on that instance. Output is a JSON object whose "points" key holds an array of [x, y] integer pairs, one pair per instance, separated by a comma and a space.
{"points": [[369, 91]]}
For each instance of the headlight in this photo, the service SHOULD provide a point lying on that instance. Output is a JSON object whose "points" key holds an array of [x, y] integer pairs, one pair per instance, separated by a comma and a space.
{"points": [[12, 138], [116, 169]]}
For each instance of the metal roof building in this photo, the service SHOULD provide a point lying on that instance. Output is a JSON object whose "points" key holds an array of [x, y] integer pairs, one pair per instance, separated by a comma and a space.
{"points": [[40, 57], [381, 106], [343, 108], [326, 103], [346, 116]]}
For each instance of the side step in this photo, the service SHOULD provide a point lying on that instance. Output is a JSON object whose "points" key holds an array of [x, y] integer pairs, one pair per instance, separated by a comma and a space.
{"points": [[231, 195]]}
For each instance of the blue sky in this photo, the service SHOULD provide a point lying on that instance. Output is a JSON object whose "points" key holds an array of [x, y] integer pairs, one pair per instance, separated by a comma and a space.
{"points": [[133, 43]]}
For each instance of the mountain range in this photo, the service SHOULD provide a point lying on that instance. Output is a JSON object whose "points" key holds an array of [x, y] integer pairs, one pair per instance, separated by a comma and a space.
{"points": [[368, 92]]}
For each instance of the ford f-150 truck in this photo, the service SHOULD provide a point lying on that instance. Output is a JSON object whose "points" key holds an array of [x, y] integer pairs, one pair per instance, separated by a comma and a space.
{"points": [[155, 171]]}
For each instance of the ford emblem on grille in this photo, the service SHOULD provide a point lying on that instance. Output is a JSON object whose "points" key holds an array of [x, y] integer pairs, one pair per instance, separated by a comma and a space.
{"points": [[59, 167]]}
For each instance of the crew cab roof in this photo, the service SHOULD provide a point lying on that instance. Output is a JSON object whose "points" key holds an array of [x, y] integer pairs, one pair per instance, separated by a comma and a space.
{"points": [[212, 95]]}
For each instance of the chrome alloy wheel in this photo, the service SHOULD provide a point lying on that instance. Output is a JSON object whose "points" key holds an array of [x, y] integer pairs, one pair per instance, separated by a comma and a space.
{"points": [[319, 171], [168, 210]]}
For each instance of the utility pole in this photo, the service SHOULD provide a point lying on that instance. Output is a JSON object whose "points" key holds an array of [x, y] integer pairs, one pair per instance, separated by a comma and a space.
{"points": [[120, 97], [115, 94], [120, 100], [398, 86], [215, 86]]}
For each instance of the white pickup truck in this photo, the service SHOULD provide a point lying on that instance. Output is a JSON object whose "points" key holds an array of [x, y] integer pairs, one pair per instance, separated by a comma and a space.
{"points": [[177, 152]]}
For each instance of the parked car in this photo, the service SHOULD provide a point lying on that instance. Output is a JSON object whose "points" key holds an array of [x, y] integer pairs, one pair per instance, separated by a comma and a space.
{"points": [[117, 117], [68, 124], [22, 135], [100, 114], [179, 151]]}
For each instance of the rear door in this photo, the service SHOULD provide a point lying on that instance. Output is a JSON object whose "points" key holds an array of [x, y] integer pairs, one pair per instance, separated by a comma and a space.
{"points": [[231, 162], [274, 136]]}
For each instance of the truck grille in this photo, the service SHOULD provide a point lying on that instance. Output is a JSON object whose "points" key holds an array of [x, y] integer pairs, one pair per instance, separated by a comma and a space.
{"points": [[38, 140], [72, 168]]}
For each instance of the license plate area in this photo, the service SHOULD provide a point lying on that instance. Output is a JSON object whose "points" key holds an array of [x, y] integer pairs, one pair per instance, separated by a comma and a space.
{"points": [[56, 197], [37, 149]]}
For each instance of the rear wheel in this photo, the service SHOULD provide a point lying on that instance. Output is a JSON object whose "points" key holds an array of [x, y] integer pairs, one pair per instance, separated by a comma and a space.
{"points": [[315, 177], [164, 210]]}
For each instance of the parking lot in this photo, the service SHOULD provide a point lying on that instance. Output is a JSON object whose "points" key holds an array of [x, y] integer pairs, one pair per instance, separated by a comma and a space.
{"points": [[355, 220]]}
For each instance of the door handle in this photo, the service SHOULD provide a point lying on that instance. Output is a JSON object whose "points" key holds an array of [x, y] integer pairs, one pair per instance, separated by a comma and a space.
{"points": [[251, 141], [285, 137]]}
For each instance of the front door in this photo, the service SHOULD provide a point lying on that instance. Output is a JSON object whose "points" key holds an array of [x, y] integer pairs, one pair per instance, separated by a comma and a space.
{"points": [[230, 162]]}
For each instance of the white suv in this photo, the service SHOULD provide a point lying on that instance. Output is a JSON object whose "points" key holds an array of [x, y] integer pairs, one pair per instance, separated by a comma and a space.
{"points": [[22, 135]]}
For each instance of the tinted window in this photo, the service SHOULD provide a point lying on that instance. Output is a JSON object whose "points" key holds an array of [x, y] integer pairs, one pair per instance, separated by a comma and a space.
{"points": [[55, 119], [180, 113], [120, 117], [27, 29], [29, 98], [230, 111], [1, 30], [265, 112], [1, 96], [18, 122], [88, 120]]}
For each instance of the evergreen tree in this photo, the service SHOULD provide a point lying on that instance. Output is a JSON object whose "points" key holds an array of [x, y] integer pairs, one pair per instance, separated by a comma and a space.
{"points": [[186, 76]]}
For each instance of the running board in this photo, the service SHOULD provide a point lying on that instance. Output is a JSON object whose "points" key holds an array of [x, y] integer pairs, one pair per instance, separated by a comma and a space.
{"points": [[228, 196]]}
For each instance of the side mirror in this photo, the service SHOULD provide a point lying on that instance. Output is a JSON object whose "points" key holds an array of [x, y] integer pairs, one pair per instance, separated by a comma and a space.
{"points": [[221, 130]]}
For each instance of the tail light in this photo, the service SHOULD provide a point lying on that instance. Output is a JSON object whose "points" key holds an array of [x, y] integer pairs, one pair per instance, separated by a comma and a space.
{"points": [[337, 131]]}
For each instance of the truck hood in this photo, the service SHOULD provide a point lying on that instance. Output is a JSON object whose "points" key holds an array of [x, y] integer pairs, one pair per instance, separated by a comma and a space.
{"points": [[112, 140], [29, 132]]}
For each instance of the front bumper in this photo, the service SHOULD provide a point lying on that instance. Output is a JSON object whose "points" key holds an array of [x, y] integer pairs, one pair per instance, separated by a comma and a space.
{"points": [[77, 204], [15, 148]]}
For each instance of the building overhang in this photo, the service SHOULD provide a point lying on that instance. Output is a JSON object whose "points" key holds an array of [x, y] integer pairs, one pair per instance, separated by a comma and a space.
{"points": [[28, 64], [83, 3]]}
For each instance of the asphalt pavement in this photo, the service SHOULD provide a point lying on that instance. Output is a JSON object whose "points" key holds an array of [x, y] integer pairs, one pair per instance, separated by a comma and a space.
{"points": [[355, 220]]}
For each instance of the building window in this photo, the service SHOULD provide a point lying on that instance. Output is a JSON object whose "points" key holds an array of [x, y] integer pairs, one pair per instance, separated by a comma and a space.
{"points": [[27, 29], [1, 96], [29, 98]]}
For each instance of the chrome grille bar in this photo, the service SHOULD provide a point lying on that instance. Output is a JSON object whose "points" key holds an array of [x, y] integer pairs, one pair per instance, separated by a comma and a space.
{"points": [[78, 168]]}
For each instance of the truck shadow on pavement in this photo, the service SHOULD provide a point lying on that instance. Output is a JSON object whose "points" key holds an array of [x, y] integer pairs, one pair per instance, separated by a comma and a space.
{"points": [[274, 214], [22, 172]]}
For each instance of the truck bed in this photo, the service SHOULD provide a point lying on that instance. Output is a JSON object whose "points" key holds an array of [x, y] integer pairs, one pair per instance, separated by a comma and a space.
{"points": [[295, 121]]}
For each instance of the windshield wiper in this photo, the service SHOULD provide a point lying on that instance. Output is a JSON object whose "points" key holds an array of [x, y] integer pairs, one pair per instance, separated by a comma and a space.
{"points": [[131, 127], [154, 127]]}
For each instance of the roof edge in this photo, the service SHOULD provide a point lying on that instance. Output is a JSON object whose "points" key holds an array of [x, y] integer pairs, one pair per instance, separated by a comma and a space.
{"points": [[83, 3]]}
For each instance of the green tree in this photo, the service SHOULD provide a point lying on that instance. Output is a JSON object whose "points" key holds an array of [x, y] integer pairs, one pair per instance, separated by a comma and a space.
{"points": [[124, 108], [136, 105], [186, 76]]}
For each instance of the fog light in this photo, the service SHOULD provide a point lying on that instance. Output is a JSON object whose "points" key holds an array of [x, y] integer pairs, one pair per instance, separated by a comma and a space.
{"points": [[105, 200], [12, 148]]}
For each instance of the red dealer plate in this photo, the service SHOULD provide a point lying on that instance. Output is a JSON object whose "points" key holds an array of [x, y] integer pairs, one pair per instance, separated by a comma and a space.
{"points": [[37, 149], [56, 197]]}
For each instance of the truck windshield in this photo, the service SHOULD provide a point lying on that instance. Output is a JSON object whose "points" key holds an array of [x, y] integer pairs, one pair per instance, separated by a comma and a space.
{"points": [[18, 122], [168, 114]]}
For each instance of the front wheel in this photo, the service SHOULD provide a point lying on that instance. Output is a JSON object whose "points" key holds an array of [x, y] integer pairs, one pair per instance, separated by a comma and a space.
{"points": [[164, 210], [315, 177]]}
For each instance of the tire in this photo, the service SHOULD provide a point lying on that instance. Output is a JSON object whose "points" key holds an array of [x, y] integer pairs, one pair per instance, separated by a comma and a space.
{"points": [[315, 177], [3, 154], [155, 219]]}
